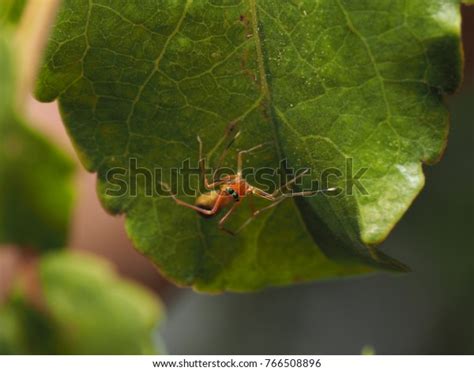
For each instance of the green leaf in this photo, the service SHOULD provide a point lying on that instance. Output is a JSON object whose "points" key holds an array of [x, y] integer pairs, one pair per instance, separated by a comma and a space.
{"points": [[11, 11], [324, 81], [86, 309], [24, 329], [10, 331], [7, 81], [35, 177]]}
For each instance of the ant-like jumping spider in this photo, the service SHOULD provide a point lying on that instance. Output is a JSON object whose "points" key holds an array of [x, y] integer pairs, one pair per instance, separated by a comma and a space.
{"points": [[230, 190]]}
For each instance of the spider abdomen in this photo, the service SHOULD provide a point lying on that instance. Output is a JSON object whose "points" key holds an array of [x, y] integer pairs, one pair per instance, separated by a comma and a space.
{"points": [[207, 201]]}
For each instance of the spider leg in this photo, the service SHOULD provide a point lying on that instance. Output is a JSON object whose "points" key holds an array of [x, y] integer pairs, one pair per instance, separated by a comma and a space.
{"points": [[251, 203], [272, 197], [202, 167], [193, 207], [201, 210], [213, 185], [279, 190], [275, 202], [291, 181], [257, 213], [262, 194], [224, 153], [244, 152], [226, 216], [224, 180]]}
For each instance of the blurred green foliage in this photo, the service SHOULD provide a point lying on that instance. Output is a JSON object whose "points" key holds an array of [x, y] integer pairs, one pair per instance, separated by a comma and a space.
{"points": [[11, 11], [85, 309], [36, 190], [74, 303]]}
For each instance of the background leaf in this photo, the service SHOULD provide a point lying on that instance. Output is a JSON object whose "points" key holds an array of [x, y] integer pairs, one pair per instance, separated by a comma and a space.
{"points": [[324, 81], [11, 11], [85, 309], [35, 177]]}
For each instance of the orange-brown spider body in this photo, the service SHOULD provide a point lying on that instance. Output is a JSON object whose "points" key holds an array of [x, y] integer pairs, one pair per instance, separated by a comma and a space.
{"points": [[230, 192]]}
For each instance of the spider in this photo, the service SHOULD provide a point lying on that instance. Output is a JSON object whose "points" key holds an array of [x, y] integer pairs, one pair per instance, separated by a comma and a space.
{"points": [[229, 191]]}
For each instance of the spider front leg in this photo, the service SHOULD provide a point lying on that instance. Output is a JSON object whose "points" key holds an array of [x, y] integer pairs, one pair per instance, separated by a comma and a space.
{"points": [[279, 191], [225, 151], [257, 213], [288, 183], [241, 154], [276, 200], [202, 167], [271, 197]]}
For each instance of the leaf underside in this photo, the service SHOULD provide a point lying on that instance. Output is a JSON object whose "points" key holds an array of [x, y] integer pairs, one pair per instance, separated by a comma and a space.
{"points": [[323, 81]]}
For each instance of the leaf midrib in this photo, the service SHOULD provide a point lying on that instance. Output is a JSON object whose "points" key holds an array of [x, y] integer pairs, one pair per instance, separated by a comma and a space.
{"points": [[264, 85], [266, 93]]}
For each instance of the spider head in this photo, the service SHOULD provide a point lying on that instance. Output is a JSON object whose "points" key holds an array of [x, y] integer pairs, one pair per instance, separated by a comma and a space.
{"points": [[232, 192]]}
